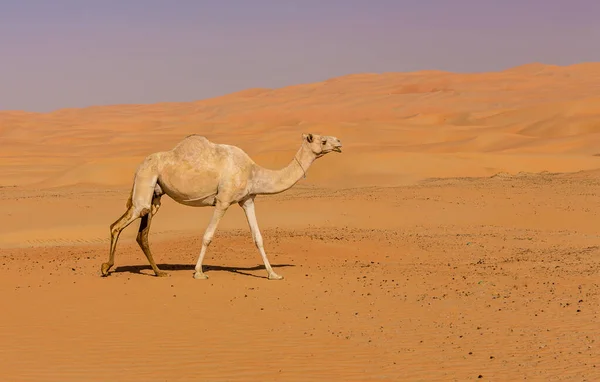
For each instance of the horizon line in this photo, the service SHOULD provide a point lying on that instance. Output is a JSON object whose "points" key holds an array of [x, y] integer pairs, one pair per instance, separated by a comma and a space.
{"points": [[529, 64]]}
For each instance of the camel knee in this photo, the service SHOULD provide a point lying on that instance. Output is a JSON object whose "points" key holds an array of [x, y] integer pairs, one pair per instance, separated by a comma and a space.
{"points": [[139, 211], [207, 239], [114, 229], [129, 216]]}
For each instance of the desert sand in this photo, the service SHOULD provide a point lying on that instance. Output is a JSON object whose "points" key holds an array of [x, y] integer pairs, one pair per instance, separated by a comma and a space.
{"points": [[455, 238]]}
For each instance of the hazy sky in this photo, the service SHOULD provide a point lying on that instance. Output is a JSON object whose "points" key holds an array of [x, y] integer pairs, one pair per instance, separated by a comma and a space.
{"points": [[74, 53]]}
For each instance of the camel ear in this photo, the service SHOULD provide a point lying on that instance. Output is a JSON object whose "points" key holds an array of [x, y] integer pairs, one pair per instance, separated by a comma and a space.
{"points": [[308, 137]]}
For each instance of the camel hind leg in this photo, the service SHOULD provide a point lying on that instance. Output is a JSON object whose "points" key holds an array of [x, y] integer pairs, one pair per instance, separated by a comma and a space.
{"points": [[115, 231], [142, 237], [138, 205]]}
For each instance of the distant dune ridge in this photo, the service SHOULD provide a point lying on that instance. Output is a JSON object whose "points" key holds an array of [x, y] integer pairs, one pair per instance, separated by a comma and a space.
{"points": [[396, 128]]}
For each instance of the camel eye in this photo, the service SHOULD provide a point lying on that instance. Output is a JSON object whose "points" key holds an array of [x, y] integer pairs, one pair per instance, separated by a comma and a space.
{"points": [[323, 142]]}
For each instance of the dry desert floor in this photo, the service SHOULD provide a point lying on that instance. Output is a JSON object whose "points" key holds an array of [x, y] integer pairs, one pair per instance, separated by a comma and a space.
{"points": [[456, 238]]}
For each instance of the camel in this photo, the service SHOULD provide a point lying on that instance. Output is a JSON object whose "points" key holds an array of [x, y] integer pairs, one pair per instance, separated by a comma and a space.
{"points": [[200, 173]]}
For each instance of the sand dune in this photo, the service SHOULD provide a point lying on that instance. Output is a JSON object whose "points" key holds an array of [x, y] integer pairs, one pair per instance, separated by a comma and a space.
{"points": [[525, 110], [455, 238]]}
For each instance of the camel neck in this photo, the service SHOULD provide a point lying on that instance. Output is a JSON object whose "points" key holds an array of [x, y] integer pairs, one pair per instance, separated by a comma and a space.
{"points": [[267, 181]]}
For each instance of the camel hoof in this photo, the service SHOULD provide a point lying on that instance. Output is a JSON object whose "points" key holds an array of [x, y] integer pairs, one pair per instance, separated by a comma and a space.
{"points": [[275, 276], [105, 268], [161, 274], [200, 276]]}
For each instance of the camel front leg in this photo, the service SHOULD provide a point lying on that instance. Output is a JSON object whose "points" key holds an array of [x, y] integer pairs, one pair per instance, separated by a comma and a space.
{"points": [[220, 210], [248, 206]]}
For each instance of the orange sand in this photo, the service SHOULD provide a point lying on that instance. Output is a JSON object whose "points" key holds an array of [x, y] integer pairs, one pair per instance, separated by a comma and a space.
{"points": [[455, 236]]}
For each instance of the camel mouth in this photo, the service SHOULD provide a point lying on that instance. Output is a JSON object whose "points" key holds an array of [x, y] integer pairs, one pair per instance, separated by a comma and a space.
{"points": [[337, 149]]}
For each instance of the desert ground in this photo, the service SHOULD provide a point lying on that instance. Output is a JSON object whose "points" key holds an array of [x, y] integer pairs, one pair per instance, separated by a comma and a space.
{"points": [[455, 238]]}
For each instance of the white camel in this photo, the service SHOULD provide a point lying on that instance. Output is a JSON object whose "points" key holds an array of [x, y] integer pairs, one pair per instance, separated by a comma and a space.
{"points": [[200, 173]]}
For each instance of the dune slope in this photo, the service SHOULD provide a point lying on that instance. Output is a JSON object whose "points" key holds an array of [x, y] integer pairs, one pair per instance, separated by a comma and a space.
{"points": [[396, 127]]}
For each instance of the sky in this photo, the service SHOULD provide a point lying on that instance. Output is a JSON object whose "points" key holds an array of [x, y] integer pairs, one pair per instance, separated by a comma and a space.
{"points": [[77, 53]]}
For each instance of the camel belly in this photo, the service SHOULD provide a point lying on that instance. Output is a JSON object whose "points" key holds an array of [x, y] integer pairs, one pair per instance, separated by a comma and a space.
{"points": [[200, 202], [196, 199], [192, 188]]}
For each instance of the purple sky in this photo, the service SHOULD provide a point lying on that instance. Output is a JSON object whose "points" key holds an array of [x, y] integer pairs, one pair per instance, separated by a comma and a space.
{"points": [[75, 53]]}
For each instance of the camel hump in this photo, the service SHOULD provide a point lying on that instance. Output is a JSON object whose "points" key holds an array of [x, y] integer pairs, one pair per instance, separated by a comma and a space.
{"points": [[195, 136], [192, 143], [194, 139]]}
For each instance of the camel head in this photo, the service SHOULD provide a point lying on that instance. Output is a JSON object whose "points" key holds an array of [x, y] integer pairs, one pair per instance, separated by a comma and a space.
{"points": [[322, 144]]}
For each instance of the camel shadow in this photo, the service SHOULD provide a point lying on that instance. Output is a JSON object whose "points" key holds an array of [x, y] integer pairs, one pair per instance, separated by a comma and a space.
{"points": [[190, 267]]}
